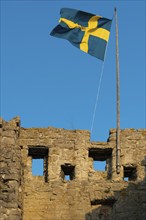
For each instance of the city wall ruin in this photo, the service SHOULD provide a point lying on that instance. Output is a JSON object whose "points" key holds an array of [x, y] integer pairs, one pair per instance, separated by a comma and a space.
{"points": [[87, 194]]}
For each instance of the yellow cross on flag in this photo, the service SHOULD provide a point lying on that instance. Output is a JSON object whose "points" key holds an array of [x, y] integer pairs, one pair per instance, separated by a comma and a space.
{"points": [[88, 32]]}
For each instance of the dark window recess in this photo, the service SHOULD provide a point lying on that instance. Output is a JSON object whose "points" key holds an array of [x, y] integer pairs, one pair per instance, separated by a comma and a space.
{"points": [[108, 201], [67, 171], [100, 158], [130, 173], [17, 124], [39, 156]]}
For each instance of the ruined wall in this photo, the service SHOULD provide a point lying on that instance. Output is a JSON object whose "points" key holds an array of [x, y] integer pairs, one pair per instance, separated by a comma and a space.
{"points": [[10, 171], [89, 194]]}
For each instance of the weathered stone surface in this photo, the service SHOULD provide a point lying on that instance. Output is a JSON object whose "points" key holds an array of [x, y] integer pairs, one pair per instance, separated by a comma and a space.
{"points": [[10, 170], [89, 194]]}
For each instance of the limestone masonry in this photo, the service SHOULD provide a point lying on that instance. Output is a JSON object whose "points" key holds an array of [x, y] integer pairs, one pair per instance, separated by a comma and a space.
{"points": [[87, 193]]}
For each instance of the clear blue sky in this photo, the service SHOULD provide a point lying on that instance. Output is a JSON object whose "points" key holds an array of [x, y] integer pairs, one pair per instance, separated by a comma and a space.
{"points": [[48, 82]]}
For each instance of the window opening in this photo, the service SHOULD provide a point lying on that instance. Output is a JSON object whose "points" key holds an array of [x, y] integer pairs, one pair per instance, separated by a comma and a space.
{"points": [[67, 172], [67, 177], [37, 167], [126, 179], [99, 165], [39, 156], [130, 173], [100, 158]]}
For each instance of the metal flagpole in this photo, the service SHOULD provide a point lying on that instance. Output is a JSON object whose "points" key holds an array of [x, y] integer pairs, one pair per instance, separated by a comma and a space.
{"points": [[118, 99]]}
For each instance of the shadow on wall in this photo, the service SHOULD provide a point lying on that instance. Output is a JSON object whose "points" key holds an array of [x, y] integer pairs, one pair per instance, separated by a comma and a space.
{"points": [[103, 212], [128, 203], [144, 164]]}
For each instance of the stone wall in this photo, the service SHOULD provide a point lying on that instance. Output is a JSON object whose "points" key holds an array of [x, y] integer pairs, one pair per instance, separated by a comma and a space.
{"points": [[10, 171], [89, 194]]}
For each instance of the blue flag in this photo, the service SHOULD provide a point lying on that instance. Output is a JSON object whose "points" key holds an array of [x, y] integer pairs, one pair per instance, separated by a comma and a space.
{"points": [[88, 32]]}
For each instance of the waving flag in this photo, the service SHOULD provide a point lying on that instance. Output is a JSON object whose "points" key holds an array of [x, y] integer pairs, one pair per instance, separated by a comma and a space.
{"points": [[88, 32]]}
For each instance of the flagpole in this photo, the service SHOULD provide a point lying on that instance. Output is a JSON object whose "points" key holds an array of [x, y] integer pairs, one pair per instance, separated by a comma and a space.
{"points": [[118, 99]]}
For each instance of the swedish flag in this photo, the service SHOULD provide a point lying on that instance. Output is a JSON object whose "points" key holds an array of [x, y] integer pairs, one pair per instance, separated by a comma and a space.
{"points": [[88, 32]]}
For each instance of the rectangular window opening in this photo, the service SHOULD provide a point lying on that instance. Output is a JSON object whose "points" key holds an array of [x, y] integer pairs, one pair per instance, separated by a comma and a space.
{"points": [[37, 167], [100, 157], [67, 177], [39, 156], [126, 179], [99, 165], [130, 173], [67, 172]]}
